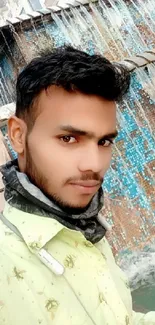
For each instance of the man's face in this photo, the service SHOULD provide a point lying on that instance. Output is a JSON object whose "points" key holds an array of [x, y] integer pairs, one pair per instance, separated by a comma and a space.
{"points": [[68, 150]]}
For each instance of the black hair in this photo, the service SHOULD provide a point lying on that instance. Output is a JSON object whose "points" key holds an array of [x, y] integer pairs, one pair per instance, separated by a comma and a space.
{"points": [[72, 69]]}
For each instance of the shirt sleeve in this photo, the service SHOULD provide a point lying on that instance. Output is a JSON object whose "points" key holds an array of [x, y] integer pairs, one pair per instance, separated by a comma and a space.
{"points": [[137, 318], [144, 319]]}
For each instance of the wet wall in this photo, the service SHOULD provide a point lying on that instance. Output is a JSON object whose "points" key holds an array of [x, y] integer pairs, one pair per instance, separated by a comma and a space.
{"points": [[117, 30]]}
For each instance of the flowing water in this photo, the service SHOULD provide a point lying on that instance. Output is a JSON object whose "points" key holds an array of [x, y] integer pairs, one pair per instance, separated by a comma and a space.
{"points": [[140, 269], [144, 298]]}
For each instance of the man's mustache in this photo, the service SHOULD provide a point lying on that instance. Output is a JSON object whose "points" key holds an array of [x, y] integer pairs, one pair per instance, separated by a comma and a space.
{"points": [[86, 177]]}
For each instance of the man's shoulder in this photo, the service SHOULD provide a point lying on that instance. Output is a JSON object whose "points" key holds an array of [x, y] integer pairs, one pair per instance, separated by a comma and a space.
{"points": [[106, 250], [6, 234], [2, 229], [103, 243]]}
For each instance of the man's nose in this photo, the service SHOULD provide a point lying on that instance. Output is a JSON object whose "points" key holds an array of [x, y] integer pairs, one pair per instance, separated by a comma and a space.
{"points": [[91, 160]]}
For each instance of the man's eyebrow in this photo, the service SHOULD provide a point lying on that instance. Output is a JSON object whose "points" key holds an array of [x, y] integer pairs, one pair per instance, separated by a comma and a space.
{"points": [[76, 131]]}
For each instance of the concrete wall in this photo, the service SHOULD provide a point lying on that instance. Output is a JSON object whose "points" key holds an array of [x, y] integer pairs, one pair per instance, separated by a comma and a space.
{"points": [[9, 8]]}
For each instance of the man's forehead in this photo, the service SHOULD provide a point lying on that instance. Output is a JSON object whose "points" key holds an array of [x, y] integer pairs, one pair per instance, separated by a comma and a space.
{"points": [[58, 97], [91, 113]]}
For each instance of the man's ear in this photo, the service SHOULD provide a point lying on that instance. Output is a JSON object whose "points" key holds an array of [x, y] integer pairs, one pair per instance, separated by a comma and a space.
{"points": [[17, 131]]}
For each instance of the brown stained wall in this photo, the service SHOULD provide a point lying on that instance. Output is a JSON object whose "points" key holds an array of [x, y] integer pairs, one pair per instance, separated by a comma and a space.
{"points": [[32, 39], [129, 231]]}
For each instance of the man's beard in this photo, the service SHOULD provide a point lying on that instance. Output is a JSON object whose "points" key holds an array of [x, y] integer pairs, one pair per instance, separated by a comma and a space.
{"points": [[40, 181]]}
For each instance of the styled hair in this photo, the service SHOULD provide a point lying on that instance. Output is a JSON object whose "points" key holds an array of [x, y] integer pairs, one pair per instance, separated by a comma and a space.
{"points": [[73, 70]]}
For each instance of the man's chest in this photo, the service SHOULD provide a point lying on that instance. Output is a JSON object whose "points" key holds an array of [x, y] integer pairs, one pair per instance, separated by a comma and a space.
{"points": [[85, 294]]}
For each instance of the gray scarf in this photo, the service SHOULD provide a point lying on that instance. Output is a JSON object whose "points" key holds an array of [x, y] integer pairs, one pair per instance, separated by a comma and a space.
{"points": [[23, 195]]}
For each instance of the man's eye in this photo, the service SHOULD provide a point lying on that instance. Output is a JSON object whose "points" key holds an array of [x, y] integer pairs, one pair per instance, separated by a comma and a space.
{"points": [[106, 143], [68, 139]]}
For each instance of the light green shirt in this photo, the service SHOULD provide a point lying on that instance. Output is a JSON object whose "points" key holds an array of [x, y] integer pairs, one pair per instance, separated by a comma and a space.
{"points": [[92, 289]]}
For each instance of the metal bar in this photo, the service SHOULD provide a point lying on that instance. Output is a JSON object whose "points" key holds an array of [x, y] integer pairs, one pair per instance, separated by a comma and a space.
{"points": [[140, 60]]}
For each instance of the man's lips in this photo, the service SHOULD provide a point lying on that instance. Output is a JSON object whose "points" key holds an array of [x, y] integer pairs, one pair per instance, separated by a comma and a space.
{"points": [[86, 187], [89, 183]]}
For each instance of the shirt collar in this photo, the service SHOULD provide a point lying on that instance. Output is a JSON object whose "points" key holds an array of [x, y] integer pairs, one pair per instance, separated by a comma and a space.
{"points": [[35, 230]]}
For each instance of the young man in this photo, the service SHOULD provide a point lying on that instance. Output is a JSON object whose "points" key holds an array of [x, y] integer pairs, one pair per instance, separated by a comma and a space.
{"points": [[55, 264]]}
